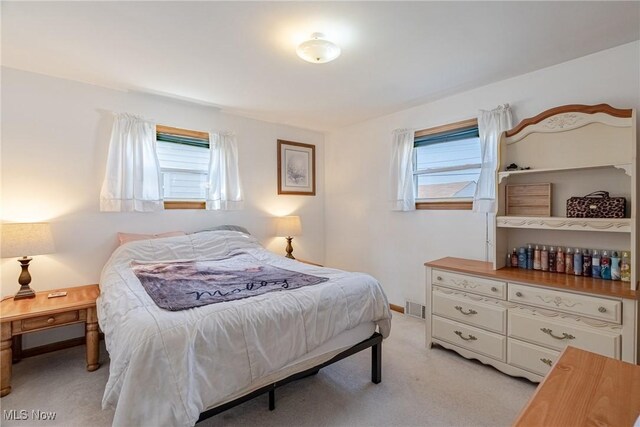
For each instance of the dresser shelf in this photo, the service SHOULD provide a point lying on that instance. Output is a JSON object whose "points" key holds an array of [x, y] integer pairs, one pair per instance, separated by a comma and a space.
{"points": [[505, 174], [608, 225]]}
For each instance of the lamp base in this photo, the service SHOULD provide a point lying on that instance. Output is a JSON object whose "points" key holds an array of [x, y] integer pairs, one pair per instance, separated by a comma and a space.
{"points": [[24, 280], [289, 248], [24, 293]]}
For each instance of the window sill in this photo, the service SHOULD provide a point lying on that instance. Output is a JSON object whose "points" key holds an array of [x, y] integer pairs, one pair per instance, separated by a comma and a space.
{"points": [[184, 204], [461, 205]]}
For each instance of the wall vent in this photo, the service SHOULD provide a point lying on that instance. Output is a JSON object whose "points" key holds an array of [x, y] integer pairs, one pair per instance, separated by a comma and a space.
{"points": [[415, 309]]}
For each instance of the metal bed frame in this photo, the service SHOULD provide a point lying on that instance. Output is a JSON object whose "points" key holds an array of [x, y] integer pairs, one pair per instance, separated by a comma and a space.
{"points": [[375, 342]]}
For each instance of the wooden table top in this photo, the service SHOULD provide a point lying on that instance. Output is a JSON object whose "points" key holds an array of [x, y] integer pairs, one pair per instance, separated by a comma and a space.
{"points": [[585, 389], [77, 298], [535, 277]]}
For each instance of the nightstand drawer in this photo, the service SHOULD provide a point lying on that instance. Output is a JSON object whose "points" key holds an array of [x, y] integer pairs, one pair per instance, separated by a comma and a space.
{"points": [[473, 284], [58, 319]]}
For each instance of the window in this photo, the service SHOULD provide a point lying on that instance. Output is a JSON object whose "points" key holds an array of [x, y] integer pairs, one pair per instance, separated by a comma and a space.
{"points": [[184, 164], [447, 163]]}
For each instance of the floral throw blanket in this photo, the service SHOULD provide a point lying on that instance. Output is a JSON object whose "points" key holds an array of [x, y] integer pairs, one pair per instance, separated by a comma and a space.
{"points": [[186, 284]]}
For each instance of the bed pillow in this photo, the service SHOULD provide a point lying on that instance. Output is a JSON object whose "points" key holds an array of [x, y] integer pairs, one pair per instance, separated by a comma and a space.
{"points": [[132, 237], [227, 228]]}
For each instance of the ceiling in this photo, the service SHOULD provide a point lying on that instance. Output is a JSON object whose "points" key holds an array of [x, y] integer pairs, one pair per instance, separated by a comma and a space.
{"points": [[240, 56]]}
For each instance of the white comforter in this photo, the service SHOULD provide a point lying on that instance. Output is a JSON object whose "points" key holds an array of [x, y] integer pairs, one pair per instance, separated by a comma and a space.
{"points": [[167, 367]]}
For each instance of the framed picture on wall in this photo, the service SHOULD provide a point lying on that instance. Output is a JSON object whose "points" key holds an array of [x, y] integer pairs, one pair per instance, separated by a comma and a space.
{"points": [[296, 168]]}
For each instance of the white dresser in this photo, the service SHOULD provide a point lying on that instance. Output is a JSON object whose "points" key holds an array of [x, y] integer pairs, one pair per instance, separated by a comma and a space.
{"points": [[520, 320]]}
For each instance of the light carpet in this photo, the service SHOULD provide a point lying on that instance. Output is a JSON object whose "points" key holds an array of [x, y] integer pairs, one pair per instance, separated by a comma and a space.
{"points": [[420, 387]]}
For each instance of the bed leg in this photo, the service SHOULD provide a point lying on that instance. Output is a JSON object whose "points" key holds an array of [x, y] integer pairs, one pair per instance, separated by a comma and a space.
{"points": [[376, 363], [272, 399]]}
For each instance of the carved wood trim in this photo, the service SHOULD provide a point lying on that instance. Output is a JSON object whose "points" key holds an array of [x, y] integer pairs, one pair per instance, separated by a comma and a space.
{"points": [[622, 225], [572, 108]]}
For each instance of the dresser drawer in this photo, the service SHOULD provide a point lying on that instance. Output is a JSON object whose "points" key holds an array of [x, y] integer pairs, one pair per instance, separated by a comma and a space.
{"points": [[594, 307], [42, 322], [473, 284], [467, 310], [474, 339], [556, 334], [530, 357]]}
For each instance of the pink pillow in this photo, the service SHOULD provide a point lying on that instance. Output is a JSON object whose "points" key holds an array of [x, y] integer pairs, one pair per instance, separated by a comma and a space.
{"points": [[131, 237]]}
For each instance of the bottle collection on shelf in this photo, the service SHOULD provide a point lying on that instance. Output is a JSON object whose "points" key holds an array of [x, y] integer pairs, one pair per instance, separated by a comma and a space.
{"points": [[608, 265]]}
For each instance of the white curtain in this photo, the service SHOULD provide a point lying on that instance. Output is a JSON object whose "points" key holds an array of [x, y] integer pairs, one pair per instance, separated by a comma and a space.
{"points": [[490, 125], [225, 189], [132, 181], [402, 189]]}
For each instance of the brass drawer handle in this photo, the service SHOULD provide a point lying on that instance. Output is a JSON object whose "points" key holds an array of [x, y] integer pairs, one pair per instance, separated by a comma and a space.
{"points": [[546, 361], [602, 309], [519, 294], [50, 320], [467, 313], [565, 336], [494, 289], [439, 278], [471, 337]]}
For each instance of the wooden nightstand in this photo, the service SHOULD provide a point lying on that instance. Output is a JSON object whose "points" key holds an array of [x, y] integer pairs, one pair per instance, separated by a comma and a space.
{"points": [[40, 313]]}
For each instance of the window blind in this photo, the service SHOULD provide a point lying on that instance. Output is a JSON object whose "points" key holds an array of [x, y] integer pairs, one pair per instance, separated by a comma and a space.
{"points": [[184, 140], [455, 135]]}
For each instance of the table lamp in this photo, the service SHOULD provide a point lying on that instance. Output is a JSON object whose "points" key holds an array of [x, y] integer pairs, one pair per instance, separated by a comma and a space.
{"points": [[288, 226], [23, 240]]}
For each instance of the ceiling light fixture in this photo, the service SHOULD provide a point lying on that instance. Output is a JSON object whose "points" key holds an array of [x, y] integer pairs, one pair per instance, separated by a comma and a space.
{"points": [[318, 50]]}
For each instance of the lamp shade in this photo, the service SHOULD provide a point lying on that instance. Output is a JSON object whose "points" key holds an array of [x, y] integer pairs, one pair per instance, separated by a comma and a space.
{"points": [[287, 226], [26, 239]]}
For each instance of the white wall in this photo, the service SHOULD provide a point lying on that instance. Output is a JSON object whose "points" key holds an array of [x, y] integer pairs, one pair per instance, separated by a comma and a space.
{"points": [[55, 136], [363, 234]]}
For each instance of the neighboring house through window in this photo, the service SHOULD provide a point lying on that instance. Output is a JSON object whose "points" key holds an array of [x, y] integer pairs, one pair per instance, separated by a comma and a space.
{"points": [[184, 163], [447, 163]]}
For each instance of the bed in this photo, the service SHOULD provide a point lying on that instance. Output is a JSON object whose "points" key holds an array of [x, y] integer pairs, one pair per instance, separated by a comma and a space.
{"points": [[169, 367]]}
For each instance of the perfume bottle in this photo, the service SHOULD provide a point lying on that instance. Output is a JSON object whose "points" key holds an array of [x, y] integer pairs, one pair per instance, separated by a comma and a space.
{"points": [[625, 267], [529, 257], [537, 258], [552, 259], [577, 262], [522, 258], [595, 264], [544, 259], [615, 266], [560, 260], [586, 263], [514, 258], [568, 261], [605, 265]]}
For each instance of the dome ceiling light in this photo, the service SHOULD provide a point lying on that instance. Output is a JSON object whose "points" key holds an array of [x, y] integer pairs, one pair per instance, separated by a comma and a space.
{"points": [[318, 50]]}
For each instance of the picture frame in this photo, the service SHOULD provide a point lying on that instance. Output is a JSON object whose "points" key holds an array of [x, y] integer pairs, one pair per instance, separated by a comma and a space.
{"points": [[296, 168]]}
